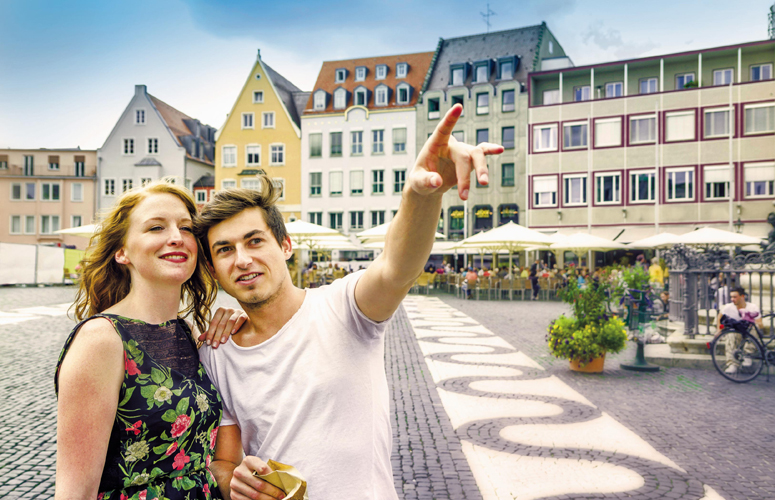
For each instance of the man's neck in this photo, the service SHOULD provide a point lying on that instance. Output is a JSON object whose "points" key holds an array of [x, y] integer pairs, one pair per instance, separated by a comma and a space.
{"points": [[269, 317]]}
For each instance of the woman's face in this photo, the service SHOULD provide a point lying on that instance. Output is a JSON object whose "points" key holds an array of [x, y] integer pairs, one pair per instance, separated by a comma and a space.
{"points": [[160, 246]]}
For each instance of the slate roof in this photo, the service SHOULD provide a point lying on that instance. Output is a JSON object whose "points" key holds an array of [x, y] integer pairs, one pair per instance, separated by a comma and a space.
{"points": [[207, 180], [175, 120], [148, 162], [292, 96], [522, 42]]}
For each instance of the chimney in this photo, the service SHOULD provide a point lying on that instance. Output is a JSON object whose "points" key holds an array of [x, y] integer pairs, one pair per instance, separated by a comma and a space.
{"points": [[140, 90]]}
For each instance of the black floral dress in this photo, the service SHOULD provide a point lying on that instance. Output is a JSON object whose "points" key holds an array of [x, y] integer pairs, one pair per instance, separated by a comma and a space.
{"points": [[166, 423]]}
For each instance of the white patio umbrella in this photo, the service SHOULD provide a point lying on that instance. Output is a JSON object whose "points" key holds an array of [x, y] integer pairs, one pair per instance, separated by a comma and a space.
{"points": [[86, 231], [305, 235], [713, 236], [581, 243], [378, 233], [661, 240], [509, 237]]}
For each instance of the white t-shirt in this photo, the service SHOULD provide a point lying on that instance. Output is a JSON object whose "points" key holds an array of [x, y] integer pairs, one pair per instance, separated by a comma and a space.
{"points": [[749, 313], [315, 396]]}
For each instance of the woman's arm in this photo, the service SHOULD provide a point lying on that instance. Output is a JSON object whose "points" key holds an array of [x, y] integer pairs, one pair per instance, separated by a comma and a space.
{"points": [[90, 379]]}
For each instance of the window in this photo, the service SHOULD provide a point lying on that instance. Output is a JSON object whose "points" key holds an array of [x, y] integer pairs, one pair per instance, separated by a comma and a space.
{"points": [[399, 179], [29, 224], [717, 122], [253, 154], [126, 185], [402, 96], [507, 175], [377, 218], [545, 191], [608, 132], [356, 142], [279, 185], [3, 163], [229, 156], [268, 119], [551, 97], [319, 101], [615, 89], [316, 218], [680, 184], [16, 191], [545, 137], [377, 182], [80, 168], [643, 187], [153, 146], [682, 80], [356, 221], [315, 183], [258, 96], [336, 143], [482, 135], [581, 93], [247, 120], [340, 99], [361, 97], [482, 72], [29, 165], [335, 220], [458, 75], [399, 140], [335, 183], [109, 187], [759, 179], [716, 180], [29, 188], [482, 103], [643, 129], [53, 163], [201, 196], [723, 76], [459, 135], [575, 135], [402, 69], [139, 117], [760, 118], [575, 189], [49, 224], [381, 72], [458, 99], [253, 184], [49, 191], [356, 182], [679, 126], [277, 154], [360, 73], [228, 183], [506, 69], [381, 96], [340, 76], [433, 109], [377, 144], [129, 146], [507, 137], [75, 221], [16, 224], [144, 181], [608, 188], [76, 191], [315, 145], [647, 85], [761, 72]]}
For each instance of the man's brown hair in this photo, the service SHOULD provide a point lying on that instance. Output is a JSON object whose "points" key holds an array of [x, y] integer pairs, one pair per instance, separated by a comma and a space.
{"points": [[230, 202]]}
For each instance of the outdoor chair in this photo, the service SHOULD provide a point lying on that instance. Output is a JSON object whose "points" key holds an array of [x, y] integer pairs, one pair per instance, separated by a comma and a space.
{"points": [[543, 283], [526, 287], [507, 287], [495, 286], [441, 281], [472, 288], [484, 285], [424, 281]]}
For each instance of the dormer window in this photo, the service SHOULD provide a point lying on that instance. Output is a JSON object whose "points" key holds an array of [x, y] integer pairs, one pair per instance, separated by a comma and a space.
{"points": [[506, 68], [341, 75], [482, 72], [361, 96], [382, 71], [319, 100], [381, 95], [403, 93], [340, 99], [401, 70], [360, 73], [457, 75]]}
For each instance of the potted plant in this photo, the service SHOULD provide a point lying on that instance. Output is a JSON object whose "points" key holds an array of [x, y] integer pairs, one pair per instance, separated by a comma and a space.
{"points": [[590, 332]]}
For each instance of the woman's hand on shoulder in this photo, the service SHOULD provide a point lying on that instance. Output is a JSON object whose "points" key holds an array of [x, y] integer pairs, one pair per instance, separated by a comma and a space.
{"points": [[226, 322]]}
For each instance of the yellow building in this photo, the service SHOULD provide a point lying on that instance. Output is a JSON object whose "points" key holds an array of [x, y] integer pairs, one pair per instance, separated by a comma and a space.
{"points": [[262, 134]]}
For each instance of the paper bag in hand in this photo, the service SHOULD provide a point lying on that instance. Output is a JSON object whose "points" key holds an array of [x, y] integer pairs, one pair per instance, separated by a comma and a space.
{"points": [[287, 478]]}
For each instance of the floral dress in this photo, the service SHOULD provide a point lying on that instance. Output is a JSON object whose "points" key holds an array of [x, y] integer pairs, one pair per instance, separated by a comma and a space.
{"points": [[166, 423]]}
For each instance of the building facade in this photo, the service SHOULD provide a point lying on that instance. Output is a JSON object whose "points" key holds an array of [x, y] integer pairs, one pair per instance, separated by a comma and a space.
{"points": [[262, 134], [487, 74], [631, 148], [150, 141], [358, 139], [45, 190]]}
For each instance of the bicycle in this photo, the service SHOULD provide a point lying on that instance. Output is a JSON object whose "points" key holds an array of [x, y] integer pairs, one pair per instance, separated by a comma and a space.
{"points": [[751, 353]]}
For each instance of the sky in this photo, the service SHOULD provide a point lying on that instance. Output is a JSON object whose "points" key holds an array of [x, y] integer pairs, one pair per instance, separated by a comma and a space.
{"points": [[68, 69]]}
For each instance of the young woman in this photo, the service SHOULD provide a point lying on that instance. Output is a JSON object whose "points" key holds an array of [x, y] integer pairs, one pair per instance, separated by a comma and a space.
{"points": [[137, 414]]}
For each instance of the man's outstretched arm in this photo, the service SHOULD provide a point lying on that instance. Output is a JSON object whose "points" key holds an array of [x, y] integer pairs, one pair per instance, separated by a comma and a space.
{"points": [[443, 162]]}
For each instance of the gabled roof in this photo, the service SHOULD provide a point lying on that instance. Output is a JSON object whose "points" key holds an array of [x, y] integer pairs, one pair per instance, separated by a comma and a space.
{"points": [[148, 162], [292, 96], [418, 67], [207, 180], [174, 120]]}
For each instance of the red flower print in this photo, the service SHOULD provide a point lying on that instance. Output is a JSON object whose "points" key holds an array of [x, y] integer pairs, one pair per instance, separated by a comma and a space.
{"points": [[124, 497], [101, 496], [135, 427], [206, 488], [180, 425], [171, 449], [180, 460], [130, 366], [143, 494], [213, 435]]}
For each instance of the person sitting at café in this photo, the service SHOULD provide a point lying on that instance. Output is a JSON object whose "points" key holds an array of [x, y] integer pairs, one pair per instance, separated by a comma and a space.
{"points": [[524, 273]]}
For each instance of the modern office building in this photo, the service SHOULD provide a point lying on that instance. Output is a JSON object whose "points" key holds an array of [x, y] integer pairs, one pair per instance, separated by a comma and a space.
{"points": [[152, 140], [487, 74], [262, 134], [358, 139], [45, 190], [631, 148]]}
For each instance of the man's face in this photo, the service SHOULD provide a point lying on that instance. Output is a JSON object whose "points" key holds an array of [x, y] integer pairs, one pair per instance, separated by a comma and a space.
{"points": [[247, 260], [737, 299]]}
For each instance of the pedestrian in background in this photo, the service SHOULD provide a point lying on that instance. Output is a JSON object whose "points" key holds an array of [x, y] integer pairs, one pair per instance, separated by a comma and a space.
{"points": [[534, 283]]}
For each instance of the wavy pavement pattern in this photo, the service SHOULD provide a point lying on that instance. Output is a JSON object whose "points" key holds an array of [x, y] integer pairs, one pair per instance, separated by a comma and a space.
{"points": [[528, 435]]}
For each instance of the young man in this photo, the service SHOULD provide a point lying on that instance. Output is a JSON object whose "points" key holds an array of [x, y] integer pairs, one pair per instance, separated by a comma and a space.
{"points": [[303, 381], [739, 310]]}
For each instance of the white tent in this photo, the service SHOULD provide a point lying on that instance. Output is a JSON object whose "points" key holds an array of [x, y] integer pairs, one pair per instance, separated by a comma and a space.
{"points": [[378, 233], [510, 237], [308, 236], [661, 240], [86, 231], [581, 243], [713, 236]]}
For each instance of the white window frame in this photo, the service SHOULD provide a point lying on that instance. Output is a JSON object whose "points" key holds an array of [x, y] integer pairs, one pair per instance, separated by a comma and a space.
{"points": [[331, 176], [10, 224], [606, 121], [380, 73], [552, 146], [566, 191], [199, 192], [565, 125], [614, 86], [340, 75], [353, 217], [408, 89], [340, 98], [482, 109], [315, 218], [144, 181], [770, 179], [272, 161], [676, 170], [463, 72], [356, 144], [279, 182], [124, 182], [34, 224], [72, 192], [378, 146], [360, 73], [249, 120], [21, 191], [319, 100], [128, 143], [399, 177], [760, 66], [356, 179], [599, 192], [318, 176], [705, 182], [258, 97], [378, 182], [757, 106], [152, 150], [722, 72], [339, 216], [109, 182], [676, 114], [140, 113], [51, 191], [224, 157], [381, 97], [393, 135], [721, 109], [536, 202], [267, 115], [402, 69], [684, 76], [228, 184], [552, 96], [72, 220], [648, 81], [375, 217], [652, 173], [486, 75], [361, 91], [633, 138], [582, 88], [50, 222], [309, 139], [248, 154]]}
